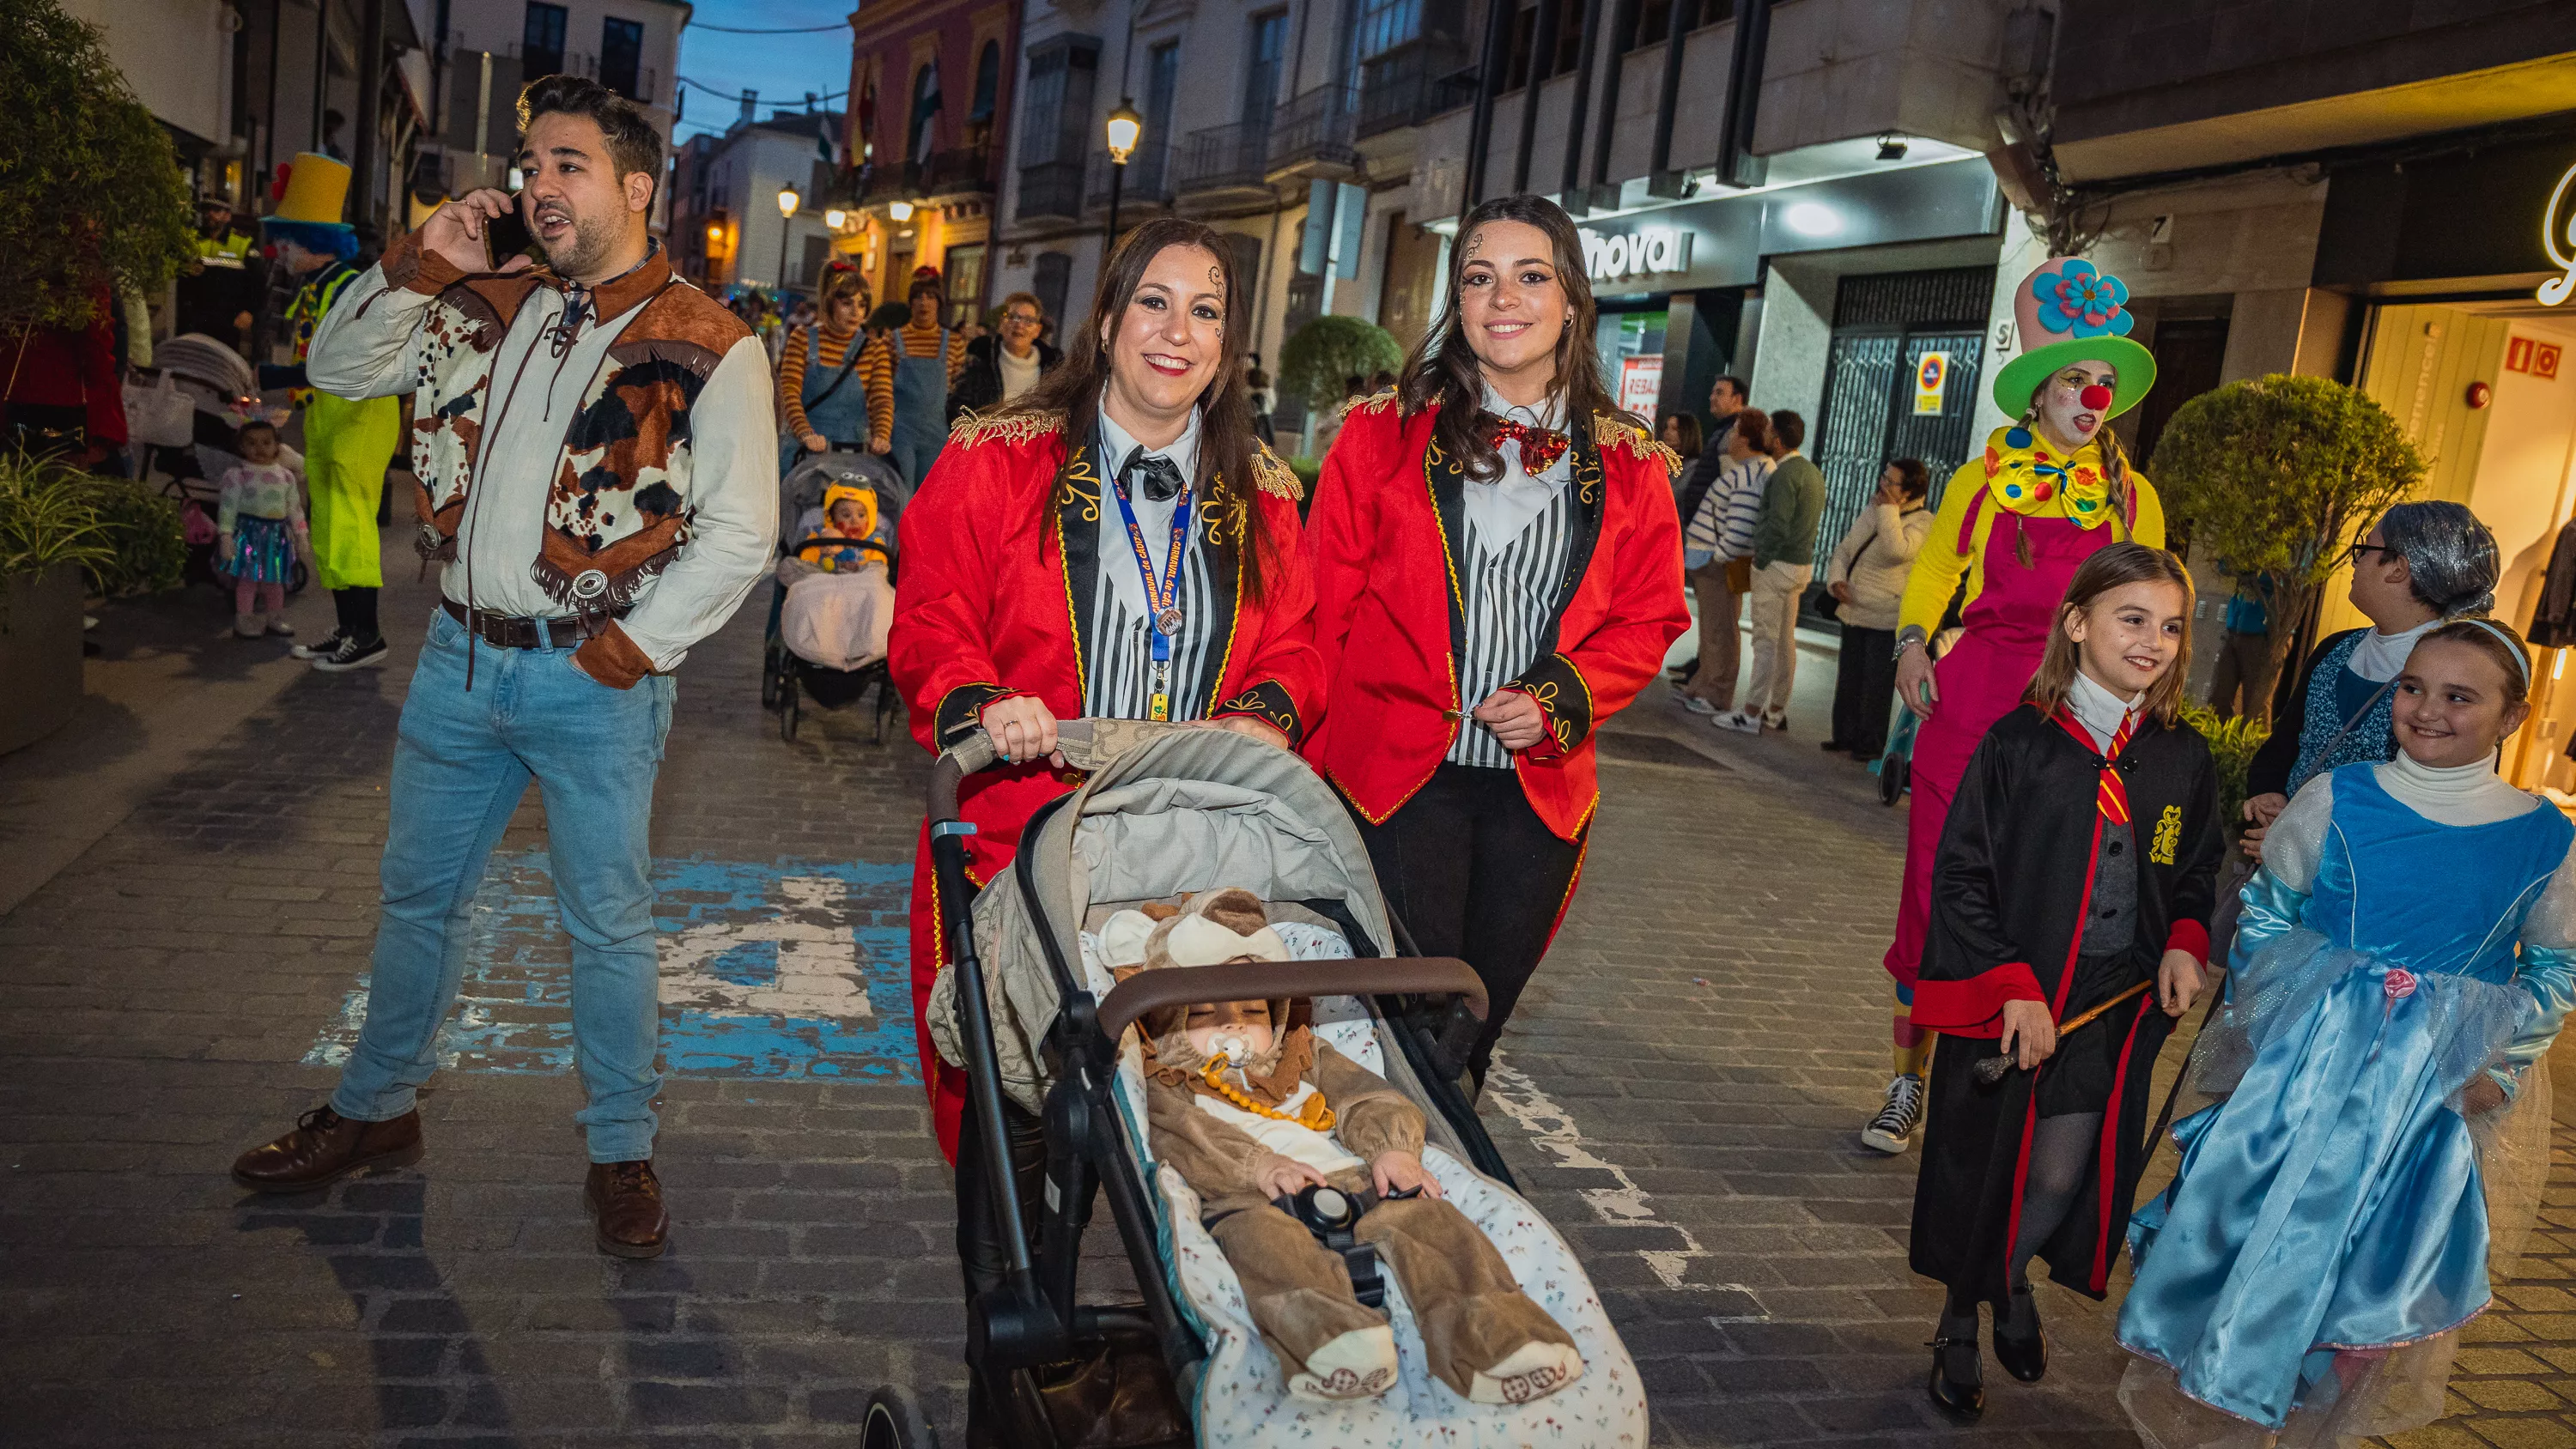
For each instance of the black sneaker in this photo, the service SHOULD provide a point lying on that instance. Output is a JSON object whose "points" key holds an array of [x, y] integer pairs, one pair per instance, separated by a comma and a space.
{"points": [[328, 644], [352, 655], [1893, 1128]]}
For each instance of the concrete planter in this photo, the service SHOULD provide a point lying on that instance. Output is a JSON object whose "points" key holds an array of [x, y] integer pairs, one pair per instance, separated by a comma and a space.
{"points": [[40, 654]]}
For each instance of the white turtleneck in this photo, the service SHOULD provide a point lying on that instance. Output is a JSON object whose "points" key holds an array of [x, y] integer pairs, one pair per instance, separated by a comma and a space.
{"points": [[2471, 794], [2379, 657], [2098, 709]]}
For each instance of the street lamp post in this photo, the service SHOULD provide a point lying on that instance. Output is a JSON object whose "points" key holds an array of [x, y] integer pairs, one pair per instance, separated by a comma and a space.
{"points": [[1125, 129], [788, 201]]}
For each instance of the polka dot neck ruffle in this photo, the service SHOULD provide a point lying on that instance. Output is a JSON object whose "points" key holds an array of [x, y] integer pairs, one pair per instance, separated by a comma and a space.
{"points": [[2030, 478]]}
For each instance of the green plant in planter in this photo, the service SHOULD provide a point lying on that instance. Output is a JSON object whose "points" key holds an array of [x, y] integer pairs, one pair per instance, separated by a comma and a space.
{"points": [[48, 516], [2232, 743], [91, 198], [1329, 350], [146, 542], [2276, 474]]}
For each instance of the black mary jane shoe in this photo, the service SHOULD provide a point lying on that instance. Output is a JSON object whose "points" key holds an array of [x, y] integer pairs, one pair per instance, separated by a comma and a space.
{"points": [[1961, 1401], [2024, 1358]]}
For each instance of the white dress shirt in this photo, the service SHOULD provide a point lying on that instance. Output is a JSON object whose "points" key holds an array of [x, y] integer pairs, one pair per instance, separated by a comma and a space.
{"points": [[2099, 710], [1498, 511]]}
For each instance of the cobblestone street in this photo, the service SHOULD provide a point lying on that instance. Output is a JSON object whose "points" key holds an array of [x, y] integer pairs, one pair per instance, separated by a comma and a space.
{"points": [[1681, 1095]]}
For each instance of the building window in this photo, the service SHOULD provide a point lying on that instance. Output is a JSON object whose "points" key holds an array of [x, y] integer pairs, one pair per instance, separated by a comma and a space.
{"points": [[964, 266], [925, 111], [1383, 25], [988, 83], [1162, 89], [1269, 37], [541, 42], [1051, 279], [621, 57]]}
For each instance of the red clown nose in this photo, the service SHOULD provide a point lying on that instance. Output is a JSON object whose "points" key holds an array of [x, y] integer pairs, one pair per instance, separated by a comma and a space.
{"points": [[2095, 398]]}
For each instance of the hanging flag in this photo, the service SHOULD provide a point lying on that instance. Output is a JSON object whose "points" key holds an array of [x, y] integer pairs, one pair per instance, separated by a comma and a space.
{"points": [[925, 108]]}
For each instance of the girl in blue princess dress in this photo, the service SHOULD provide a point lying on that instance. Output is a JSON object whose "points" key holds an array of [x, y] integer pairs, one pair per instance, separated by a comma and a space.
{"points": [[2407, 953]]}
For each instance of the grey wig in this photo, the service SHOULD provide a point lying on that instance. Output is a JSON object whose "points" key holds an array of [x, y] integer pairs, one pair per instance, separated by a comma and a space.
{"points": [[2451, 558]]}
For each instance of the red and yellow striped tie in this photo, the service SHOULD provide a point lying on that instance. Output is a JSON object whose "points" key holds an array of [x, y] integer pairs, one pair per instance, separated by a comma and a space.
{"points": [[2111, 797]]}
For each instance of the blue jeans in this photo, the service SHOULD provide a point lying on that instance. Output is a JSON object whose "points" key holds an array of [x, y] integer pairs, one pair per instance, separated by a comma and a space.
{"points": [[914, 453], [460, 765]]}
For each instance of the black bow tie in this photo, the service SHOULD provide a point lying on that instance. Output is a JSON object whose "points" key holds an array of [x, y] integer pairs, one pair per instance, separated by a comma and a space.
{"points": [[1160, 476]]}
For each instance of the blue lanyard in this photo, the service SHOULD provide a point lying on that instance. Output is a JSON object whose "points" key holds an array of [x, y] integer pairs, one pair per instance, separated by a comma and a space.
{"points": [[1162, 598]]}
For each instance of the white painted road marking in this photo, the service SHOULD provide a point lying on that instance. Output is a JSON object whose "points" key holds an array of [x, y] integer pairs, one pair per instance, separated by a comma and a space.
{"points": [[820, 971]]}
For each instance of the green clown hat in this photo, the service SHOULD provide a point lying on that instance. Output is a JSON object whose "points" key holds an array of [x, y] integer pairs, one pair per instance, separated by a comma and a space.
{"points": [[2071, 311]]}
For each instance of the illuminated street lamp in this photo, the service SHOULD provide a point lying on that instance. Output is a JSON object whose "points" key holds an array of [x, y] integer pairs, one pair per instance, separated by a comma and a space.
{"points": [[901, 211], [788, 201], [1126, 128], [834, 217]]}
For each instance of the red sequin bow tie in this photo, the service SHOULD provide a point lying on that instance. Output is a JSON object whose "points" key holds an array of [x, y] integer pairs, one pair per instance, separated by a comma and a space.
{"points": [[1540, 448]]}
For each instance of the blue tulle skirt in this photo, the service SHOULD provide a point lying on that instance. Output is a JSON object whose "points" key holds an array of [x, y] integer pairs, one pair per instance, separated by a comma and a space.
{"points": [[263, 551], [2333, 1200]]}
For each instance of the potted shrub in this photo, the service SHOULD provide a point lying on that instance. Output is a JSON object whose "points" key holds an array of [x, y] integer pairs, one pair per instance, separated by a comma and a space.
{"points": [[1329, 350], [2275, 475], [50, 529]]}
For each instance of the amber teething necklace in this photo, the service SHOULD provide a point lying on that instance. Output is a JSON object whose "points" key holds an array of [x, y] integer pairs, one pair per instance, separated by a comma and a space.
{"points": [[1316, 1115]]}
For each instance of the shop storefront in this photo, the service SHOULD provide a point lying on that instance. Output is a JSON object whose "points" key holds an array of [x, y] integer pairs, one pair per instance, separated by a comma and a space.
{"points": [[2468, 335]]}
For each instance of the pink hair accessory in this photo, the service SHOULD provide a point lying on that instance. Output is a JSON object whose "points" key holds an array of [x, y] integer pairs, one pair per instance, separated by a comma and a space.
{"points": [[2400, 983]]}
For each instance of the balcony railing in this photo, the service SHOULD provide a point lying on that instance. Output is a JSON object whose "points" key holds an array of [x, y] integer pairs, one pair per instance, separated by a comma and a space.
{"points": [[1410, 85], [1222, 157], [1148, 181], [962, 172], [1051, 189], [1317, 127]]}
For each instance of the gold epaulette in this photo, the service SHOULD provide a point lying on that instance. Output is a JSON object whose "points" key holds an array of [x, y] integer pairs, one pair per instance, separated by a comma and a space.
{"points": [[1010, 427], [1275, 477], [1609, 432], [1376, 402]]}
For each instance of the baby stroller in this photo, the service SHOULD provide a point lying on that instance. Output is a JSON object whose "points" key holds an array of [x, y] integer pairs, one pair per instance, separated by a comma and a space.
{"points": [[788, 676], [223, 393], [1042, 1031]]}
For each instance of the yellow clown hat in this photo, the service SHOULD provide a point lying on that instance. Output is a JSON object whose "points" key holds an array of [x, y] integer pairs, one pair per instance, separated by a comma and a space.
{"points": [[317, 191]]}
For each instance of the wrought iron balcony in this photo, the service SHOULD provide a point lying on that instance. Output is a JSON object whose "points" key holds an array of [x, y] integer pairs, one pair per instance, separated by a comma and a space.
{"points": [[1410, 85], [1223, 158], [1148, 181], [1314, 132], [1051, 190]]}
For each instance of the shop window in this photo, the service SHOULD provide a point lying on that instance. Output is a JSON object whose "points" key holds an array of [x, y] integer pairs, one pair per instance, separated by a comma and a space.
{"points": [[621, 57], [964, 266], [1412, 276], [1631, 346], [541, 41]]}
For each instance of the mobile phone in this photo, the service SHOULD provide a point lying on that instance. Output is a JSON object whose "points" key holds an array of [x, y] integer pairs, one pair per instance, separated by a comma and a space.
{"points": [[506, 235]]}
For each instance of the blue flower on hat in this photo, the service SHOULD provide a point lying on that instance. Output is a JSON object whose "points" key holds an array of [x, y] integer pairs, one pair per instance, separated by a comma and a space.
{"points": [[2078, 300]]}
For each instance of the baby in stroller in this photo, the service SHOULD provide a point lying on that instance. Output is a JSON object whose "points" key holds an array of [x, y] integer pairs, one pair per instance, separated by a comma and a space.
{"points": [[840, 598], [1283, 1137]]}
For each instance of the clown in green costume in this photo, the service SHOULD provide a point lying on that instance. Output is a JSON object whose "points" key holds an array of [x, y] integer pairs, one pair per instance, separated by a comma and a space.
{"points": [[347, 444]]}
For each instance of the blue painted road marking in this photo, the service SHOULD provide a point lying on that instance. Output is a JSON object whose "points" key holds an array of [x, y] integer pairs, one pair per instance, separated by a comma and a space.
{"points": [[789, 969]]}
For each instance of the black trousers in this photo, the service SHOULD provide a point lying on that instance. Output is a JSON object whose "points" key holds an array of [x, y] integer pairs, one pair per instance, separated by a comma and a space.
{"points": [[1473, 873], [1865, 690], [983, 1253]]}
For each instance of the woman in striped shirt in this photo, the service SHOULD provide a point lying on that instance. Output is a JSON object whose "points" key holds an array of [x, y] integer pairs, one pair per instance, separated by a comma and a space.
{"points": [[1497, 569], [822, 390]]}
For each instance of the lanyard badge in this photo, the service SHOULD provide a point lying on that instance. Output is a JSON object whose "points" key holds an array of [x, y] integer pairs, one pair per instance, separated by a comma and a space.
{"points": [[1162, 596]]}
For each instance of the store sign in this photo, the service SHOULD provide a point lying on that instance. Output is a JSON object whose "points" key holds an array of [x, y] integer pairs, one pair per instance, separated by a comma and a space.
{"points": [[1931, 384], [1647, 250], [2558, 238], [1641, 384]]}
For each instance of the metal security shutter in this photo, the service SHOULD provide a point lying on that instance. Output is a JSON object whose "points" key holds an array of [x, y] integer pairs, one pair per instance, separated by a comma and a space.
{"points": [[1883, 326]]}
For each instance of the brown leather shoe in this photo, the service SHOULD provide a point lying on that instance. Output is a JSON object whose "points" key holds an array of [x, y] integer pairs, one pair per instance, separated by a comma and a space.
{"points": [[325, 1147], [627, 1200]]}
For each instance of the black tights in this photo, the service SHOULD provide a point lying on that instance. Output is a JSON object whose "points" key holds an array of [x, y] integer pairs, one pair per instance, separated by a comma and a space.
{"points": [[2061, 1153]]}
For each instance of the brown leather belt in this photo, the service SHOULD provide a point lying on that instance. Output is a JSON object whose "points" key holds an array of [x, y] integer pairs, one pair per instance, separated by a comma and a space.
{"points": [[504, 632]]}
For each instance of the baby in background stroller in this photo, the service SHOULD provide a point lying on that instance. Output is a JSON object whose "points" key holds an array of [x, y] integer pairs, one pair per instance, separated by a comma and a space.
{"points": [[1283, 1138], [834, 601]]}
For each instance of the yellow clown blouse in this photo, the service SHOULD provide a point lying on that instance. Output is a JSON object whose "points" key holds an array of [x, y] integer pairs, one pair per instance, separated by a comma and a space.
{"points": [[2019, 473]]}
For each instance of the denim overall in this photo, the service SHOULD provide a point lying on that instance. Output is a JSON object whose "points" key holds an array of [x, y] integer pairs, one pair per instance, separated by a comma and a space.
{"points": [[843, 418], [920, 407]]}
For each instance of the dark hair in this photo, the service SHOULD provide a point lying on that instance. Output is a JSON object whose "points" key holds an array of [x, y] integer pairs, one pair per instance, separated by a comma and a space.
{"points": [[2451, 560], [1227, 445], [1788, 430], [2510, 655], [889, 316], [255, 425], [922, 286], [1354, 386], [1912, 478], [1687, 425], [1754, 426], [1444, 373], [1742, 393], [2109, 567], [633, 144]]}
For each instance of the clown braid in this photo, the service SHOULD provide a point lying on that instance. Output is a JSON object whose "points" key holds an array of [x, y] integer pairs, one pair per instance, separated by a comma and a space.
{"points": [[2115, 472]]}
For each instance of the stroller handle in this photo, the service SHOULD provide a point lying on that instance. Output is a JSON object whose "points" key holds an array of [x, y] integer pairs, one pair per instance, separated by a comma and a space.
{"points": [[1087, 744], [1263, 980]]}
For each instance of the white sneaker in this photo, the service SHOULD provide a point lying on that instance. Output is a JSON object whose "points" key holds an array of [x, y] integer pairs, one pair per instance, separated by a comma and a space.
{"points": [[1697, 705], [1892, 1130], [1739, 721], [1359, 1364]]}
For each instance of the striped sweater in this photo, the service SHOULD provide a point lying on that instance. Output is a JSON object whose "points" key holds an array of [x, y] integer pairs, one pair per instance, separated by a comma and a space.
{"points": [[830, 348], [876, 371]]}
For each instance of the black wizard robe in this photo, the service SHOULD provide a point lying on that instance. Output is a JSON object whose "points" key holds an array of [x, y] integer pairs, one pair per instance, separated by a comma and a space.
{"points": [[2012, 885]]}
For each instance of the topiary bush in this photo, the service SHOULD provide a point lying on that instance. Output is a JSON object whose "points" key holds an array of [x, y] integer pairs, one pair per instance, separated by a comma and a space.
{"points": [[2275, 475], [1329, 350]]}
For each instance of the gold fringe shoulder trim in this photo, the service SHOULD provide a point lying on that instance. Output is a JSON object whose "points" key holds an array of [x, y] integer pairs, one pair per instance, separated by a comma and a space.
{"points": [[1609, 432], [1275, 477], [971, 428], [1376, 402]]}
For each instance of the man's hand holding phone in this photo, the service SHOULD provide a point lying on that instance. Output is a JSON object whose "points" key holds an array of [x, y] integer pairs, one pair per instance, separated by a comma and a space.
{"points": [[472, 231]]}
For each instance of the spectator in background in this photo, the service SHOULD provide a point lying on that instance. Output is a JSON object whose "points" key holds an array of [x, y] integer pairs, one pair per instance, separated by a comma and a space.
{"points": [[1681, 434], [1725, 400], [63, 395], [1328, 425], [1867, 577], [1257, 383], [224, 290], [913, 370], [1001, 369], [2244, 648], [1717, 551], [1379, 382], [821, 400], [1784, 563]]}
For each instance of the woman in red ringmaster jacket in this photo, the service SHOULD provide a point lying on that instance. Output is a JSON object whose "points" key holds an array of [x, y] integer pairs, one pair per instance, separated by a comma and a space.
{"points": [[1497, 570], [1117, 544]]}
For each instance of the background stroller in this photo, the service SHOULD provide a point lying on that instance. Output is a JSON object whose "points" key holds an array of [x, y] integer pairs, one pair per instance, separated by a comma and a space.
{"points": [[223, 393], [1042, 1033], [787, 677]]}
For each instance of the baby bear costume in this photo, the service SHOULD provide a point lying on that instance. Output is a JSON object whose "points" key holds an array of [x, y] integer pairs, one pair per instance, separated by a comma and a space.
{"points": [[1232, 1087]]}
